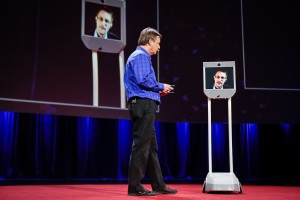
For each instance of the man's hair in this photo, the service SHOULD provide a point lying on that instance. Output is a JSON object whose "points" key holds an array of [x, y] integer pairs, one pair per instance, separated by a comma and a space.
{"points": [[147, 34], [221, 70]]}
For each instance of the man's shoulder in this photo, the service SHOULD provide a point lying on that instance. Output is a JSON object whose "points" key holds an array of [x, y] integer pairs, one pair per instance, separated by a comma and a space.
{"points": [[137, 56], [139, 53], [111, 35], [227, 87]]}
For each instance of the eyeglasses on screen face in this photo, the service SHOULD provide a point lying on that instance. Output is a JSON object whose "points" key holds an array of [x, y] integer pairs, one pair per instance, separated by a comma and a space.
{"points": [[102, 19], [222, 77]]}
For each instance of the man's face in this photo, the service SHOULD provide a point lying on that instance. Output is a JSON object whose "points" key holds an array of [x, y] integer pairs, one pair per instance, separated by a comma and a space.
{"points": [[155, 45], [220, 79], [104, 22]]}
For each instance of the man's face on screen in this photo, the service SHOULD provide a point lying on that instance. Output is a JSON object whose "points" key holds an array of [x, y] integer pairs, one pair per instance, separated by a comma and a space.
{"points": [[103, 22], [220, 78]]}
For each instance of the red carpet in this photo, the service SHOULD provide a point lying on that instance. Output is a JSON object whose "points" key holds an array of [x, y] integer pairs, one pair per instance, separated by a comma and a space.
{"points": [[119, 192]]}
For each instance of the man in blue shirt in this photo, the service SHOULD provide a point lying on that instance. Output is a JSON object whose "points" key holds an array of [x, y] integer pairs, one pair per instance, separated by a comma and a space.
{"points": [[143, 95]]}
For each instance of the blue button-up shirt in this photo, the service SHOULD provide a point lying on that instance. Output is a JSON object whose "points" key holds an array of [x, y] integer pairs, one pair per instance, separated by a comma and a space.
{"points": [[139, 77]]}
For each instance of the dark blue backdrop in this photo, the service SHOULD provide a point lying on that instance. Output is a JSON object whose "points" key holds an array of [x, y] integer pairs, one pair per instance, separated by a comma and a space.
{"points": [[37, 147]]}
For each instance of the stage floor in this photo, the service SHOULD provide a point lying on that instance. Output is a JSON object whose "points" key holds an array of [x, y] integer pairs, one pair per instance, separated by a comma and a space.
{"points": [[119, 192]]}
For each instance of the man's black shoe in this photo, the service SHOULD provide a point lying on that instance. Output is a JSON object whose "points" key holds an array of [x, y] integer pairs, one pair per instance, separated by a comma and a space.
{"points": [[143, 192], [166, 190]]}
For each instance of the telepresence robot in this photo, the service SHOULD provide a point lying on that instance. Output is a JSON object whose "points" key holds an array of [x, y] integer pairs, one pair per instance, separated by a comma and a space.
{"points": [[107, 45], [220, 181]]}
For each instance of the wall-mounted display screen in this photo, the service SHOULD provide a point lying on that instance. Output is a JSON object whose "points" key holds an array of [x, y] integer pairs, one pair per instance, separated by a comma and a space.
{"points": [[47, 68]]}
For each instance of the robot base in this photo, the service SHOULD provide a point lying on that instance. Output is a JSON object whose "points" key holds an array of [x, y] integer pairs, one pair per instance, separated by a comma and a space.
{"points": [[221, 182]]}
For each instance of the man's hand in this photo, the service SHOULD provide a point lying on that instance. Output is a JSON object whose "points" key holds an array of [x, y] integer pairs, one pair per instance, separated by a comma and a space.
{"points": [[167, 89]]}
